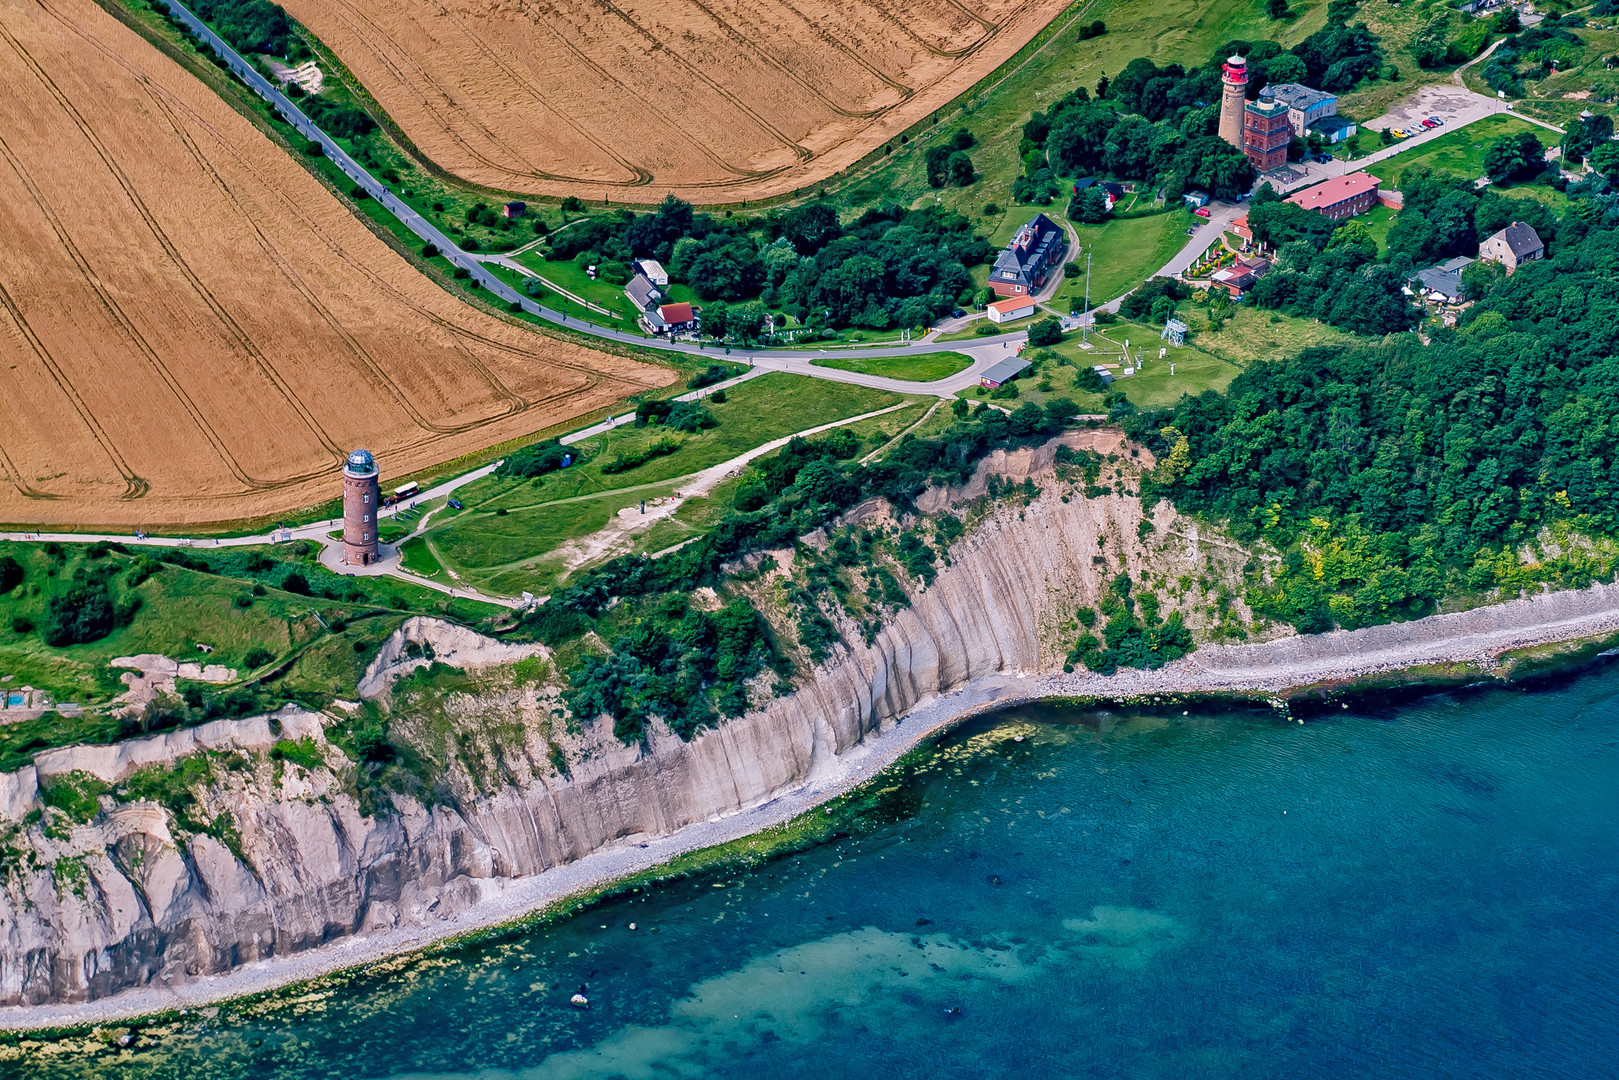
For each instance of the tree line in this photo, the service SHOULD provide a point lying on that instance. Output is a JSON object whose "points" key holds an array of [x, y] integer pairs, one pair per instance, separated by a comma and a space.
{"points": [[1392, 474], [890, 267]]}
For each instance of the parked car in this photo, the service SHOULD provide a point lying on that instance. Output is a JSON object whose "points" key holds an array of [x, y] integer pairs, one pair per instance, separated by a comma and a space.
{"points": [[455, 504], [958, 314], [1437, 122], [1201, 211]]}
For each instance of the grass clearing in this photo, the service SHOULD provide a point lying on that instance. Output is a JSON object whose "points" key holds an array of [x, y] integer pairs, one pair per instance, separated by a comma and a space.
{"points": [[310, 647], [1253, 334], [1153, 385], [1461, 152], [1378, 220], [510, 528], [1586, 83], [1124, 253], [926, 367]]}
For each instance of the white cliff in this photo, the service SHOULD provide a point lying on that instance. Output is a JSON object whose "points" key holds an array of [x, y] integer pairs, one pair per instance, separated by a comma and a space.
{"points": [[133, 898]]}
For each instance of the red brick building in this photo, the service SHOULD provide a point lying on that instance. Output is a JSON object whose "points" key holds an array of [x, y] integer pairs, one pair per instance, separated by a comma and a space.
{"points": [[1340, 197], [1266, 133], [360, 503]]}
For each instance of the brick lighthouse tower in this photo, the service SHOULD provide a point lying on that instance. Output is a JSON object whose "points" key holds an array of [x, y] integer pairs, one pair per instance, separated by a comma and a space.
{"points": [[360, 505], [1233, 86]]}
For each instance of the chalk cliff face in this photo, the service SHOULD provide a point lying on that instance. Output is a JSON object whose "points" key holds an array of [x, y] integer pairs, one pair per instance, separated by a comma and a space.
{"points": [[132, 899]]}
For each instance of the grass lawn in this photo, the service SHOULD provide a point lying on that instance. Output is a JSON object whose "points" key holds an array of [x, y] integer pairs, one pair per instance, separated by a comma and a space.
{"points": [[418, 558], [924, 368], [1378, 220], [1461, 152], [696, 516], [516, 553], [544, 513], [1124, 253], [1255, 334], [1152, 386], [566, 274]]}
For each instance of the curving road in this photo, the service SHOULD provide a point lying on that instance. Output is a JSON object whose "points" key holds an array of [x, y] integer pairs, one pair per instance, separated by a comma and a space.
{"points": [[983, 353]]}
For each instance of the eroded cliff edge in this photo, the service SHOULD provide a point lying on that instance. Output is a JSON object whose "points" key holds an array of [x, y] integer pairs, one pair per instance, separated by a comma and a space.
{"points": [[281, 852]]}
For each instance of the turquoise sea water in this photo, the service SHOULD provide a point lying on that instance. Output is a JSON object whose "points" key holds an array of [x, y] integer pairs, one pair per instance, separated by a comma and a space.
{"points": [[1427, 891]]}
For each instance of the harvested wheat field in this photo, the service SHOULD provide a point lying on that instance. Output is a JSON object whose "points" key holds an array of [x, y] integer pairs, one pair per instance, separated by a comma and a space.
{"points": [[192, 329], [712, 100]]}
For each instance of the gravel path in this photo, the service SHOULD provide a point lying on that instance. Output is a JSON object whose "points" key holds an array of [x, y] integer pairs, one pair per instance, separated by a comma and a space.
{"points": [[1478, 636]]}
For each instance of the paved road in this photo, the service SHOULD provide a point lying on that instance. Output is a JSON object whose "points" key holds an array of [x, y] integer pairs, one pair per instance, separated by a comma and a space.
{"points": [[430, 233], [1221, 214]]}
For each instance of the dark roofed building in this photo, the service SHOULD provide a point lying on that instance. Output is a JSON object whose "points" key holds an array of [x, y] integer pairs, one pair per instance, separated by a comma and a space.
{"points": [[1334, 129], [1442, 282], [1002, 372], [1026, 263], [642, 293], [514, 209], [1515, 244], [1239, 278]]}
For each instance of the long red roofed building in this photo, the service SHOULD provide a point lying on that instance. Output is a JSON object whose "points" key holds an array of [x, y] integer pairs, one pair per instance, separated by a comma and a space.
{"points": [[1340, 197]]}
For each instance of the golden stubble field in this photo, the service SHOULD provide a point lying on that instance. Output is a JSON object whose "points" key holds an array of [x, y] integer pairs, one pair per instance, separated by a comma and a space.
{"points": [[711, 100], [192, 329]]}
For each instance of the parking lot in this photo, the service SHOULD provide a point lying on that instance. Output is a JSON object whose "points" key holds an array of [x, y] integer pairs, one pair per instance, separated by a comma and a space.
{"points": [[1447, 101]]}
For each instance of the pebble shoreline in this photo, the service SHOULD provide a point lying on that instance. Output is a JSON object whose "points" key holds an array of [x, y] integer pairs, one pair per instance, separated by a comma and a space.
{"points": [[1273, 670]]}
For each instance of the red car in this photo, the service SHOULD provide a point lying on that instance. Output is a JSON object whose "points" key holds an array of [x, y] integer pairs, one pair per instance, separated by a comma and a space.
{"points": [[1201, 211]]}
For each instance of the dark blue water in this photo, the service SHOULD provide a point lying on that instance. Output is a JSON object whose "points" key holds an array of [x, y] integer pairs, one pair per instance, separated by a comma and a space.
{"points": [[1427, 892]]}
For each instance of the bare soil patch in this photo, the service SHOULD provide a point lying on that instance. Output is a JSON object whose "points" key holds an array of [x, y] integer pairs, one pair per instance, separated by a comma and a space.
{"points": [[192, 329], [713, 100]]}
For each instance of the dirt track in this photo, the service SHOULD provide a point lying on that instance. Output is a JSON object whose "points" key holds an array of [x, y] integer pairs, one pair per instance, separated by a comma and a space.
{"points": [[713, 100], [192, 329]]}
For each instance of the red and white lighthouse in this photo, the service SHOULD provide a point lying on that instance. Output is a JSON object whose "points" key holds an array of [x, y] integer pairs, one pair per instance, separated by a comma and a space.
{"points": [[360, 506], [1233, 89]]}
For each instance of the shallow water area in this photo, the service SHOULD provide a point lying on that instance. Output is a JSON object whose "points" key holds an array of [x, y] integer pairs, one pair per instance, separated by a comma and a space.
{"points": [[1426, 891]]}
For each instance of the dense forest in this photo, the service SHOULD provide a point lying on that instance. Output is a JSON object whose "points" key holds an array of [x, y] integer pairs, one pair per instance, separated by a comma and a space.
{"points": [[890, 267], [250, 26], [1393, 473], [1159, 124]]}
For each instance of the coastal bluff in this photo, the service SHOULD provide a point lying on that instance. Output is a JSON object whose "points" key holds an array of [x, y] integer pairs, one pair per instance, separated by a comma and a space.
{"points": [[131, 899]]}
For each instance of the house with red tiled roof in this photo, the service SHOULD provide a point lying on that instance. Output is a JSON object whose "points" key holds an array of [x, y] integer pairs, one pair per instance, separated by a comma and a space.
{"points": [[670, 319], [1340, 197]]}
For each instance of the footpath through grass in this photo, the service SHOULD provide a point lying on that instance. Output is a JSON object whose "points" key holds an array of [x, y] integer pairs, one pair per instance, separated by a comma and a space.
{"points": [[500, 542]]}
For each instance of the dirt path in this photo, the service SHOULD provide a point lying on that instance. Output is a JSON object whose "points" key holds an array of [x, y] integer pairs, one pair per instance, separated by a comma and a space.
{"points": [[617, 536]]}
